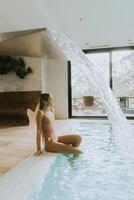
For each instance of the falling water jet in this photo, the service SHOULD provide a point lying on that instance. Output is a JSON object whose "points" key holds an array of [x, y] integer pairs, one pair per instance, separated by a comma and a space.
{"points": [[121, 127]]}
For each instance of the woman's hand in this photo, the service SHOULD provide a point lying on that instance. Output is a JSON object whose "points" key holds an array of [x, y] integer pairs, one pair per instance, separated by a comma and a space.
{"points": [[38, 153]]}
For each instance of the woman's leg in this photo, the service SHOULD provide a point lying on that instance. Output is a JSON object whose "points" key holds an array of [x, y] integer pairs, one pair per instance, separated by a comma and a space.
{"points": [[58, 147], [74, 140]]}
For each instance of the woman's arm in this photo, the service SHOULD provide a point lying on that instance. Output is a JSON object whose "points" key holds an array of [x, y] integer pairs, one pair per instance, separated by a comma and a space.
{"points": [[38, 134]]}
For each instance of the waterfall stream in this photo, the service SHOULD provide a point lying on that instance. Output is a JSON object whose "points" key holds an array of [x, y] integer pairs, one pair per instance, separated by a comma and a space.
{"points": [[122, 129]]}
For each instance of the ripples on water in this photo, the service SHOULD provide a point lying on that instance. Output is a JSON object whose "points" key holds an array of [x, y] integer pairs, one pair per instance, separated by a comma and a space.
{"points": [[100, 173]]}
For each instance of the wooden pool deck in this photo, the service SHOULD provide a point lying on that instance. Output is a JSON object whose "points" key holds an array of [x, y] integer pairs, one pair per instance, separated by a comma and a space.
{"points": [[16, 143]]}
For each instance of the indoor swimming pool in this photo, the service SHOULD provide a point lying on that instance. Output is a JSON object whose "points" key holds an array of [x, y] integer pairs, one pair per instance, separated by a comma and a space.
{"points": [[100, 173]]}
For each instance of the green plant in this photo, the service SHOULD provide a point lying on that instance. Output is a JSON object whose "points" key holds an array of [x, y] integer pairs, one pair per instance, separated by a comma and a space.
{"points": [[15, 64]]}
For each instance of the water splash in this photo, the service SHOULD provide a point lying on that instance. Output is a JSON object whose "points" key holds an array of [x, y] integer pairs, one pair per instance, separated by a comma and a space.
{"points": [[121, 127]]}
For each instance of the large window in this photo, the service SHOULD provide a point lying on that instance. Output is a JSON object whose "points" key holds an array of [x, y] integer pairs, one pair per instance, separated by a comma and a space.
{"points": [[117, 67], [123, 79]]}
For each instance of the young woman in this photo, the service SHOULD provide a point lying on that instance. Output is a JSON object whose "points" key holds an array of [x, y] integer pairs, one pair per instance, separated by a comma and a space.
{"points": [[45, 128]]}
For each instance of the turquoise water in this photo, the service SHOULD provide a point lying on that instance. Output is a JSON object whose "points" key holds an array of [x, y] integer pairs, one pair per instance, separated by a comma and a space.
{"points": [[100, 173]]}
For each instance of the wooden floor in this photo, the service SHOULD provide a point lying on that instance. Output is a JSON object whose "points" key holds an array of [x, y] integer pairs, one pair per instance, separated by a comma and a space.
{"points": [[16, 143]]}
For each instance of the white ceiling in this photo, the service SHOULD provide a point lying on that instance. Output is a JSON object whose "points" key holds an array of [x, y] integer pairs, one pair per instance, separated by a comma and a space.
{"points": [[90, 23]]}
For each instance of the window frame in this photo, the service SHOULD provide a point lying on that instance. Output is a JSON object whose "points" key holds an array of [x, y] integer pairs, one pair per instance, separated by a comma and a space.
{"points": [[88, 51]]}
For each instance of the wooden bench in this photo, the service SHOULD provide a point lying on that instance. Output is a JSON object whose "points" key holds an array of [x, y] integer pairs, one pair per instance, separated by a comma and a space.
{"points": [[14, 105]]}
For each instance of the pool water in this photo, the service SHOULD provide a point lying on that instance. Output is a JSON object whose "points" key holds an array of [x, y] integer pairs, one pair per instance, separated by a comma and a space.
{"points": [[100, 173]]}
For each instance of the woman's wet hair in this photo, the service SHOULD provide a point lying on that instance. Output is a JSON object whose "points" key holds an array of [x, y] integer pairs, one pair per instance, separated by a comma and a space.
{"points": [[43, 99]]}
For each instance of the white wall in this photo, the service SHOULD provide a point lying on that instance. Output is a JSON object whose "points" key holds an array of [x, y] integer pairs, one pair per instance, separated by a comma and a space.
{"points": [[32, 82], [54, 76], [55, 83]]}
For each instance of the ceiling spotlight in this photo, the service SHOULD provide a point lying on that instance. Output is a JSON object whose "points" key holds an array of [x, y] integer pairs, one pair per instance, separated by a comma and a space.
{"points": [[82, 19]]}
